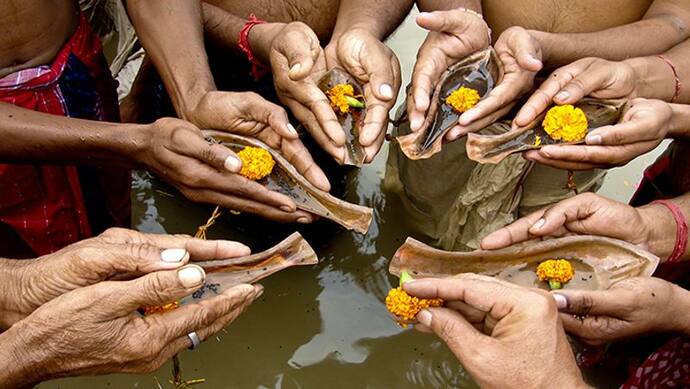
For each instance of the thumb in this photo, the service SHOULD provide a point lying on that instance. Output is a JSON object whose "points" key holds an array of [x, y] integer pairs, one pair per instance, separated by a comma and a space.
{"points": [[158, 288], [583, 302], [216, 155], [440, 21], [527, 53], [461, 337], [301, 49]]}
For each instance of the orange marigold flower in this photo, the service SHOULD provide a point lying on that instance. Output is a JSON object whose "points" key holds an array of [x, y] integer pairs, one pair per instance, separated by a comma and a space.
{"points": [[407, 307], [342, 97], [566, 123], [556, 271], [537, 140], [161, 309], [257, 163], [462, 99]]}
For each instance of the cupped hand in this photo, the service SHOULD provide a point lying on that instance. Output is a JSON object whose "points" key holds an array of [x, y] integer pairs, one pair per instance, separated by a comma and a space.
{"points": [[377, 68], [503, 334], [521, 56], [631, 308], [594, 77], [98, 330], [117, 253], [177, 152], [643, 126], [251, 115], [453, 35], [586, 214]]}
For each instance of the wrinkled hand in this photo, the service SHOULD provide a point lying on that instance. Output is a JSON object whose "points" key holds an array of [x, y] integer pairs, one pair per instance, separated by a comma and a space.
{"points": [[505, 336], [630, 308], [645, 124], [377, 68], [177, 152], [453, 35], [586, 214], [594, 77], [97, 329], [521, 55], [115, 254], [298, 63]]}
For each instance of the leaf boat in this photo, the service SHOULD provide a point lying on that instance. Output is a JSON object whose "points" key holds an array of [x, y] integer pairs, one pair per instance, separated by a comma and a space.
{"points": [[287, 180], [224, 274], [352, 122], [481, 71], [495, 148], [599, 262]]}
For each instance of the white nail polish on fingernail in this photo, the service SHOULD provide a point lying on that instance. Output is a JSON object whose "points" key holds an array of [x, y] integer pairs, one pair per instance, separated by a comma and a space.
{"points": [[415, 124], [303, 220], [386, 91], [424, 317], [539, 224], [594, 139], [291, 128], [190, 276], [285, 208], [561, 301], [232, 164], [562, 95], [296, 67], [173, 255]]}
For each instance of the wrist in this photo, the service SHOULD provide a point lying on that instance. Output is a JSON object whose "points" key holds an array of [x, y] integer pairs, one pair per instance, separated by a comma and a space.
{"points": [[680, 121], [13, 291], [261, 38], [660, 229], [546, 42], [20, 363], [680, 300]]}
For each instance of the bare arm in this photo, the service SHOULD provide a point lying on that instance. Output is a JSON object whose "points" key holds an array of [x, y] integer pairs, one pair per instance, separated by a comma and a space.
{"points": [[380, 18], [666, 23], [655, 78]]}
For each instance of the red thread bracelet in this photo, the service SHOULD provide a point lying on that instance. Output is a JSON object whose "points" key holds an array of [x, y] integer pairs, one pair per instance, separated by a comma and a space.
{"points": [[681, 230], [676, 93], [258, 69]]}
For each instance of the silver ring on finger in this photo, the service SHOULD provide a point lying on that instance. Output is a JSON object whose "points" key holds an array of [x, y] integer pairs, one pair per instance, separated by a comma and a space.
{"points": [[195, 340]]}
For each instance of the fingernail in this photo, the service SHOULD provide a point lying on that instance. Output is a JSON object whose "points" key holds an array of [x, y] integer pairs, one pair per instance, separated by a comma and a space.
{"points": [[386, 91], [292, 129], [232, 164], [561, 301], [416, 123], [424, 317], [173, 255], [191, 276], [594, 139], [296, 67], [285, 208], [562, 95], [539, 224], [453, 134], [303, 220], [545, 151]]}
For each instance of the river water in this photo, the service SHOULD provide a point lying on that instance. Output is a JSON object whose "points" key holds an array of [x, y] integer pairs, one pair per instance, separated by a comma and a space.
{"points": [[323, 326]]}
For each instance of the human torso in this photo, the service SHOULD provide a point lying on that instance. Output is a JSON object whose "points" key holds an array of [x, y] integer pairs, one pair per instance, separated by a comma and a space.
{"points": [[562, 15], [33, 31]]}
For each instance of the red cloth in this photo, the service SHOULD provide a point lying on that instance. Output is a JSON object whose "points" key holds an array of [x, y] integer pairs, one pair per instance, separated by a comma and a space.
{"points": [[44, 205], [667, 367]]}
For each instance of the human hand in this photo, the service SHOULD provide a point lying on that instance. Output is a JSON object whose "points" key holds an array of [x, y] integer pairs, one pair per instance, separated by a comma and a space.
{"points": [[643, 126], [178, 153], [594, 77], [630, 308], [453, 35], [504, 335], [377, 68], [521, 56], [587, 214], [117, 253], [97, 329]]}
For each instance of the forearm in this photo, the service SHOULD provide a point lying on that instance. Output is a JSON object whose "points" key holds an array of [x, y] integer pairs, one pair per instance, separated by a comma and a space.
{"points": [[171, 32], [221, 27], [35, 137], [380, 18], [655, 78], [681, 300], [444, 5], [661, 227]]}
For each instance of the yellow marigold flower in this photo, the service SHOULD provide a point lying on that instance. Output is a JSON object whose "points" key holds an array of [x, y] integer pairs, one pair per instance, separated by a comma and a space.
{"points": [[537, 141], [342, 97], [556, 271], [462, 99], [161, 309], [407, 307], [566, 123], [257, 163]]}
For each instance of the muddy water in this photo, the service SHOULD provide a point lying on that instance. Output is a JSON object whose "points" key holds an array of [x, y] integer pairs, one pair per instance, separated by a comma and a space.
{"points": [[323, 326]]}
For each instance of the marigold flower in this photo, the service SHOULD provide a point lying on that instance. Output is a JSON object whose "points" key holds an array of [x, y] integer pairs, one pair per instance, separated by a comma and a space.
{"points": [[556, 271], [342, 97], [161, 309], [462, 99], [404, 306], [566, 123], [537, 141], [257, 163]]}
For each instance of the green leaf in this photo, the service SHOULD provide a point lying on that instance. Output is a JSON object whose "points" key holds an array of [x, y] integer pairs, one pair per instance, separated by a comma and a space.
{"points": [[405, 277], [354, 103], [555, 285]]}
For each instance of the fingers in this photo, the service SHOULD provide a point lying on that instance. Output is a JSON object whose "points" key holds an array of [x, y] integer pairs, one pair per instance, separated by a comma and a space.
{"points": [[606, 156], [516, 232], [154, 289], [301, 48], [192, 144], [460, 336], [437, 21], [460, 131], [427, 70], [504, 94], [307, 118], [612, 302], [535, 156], [298, 155]]}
